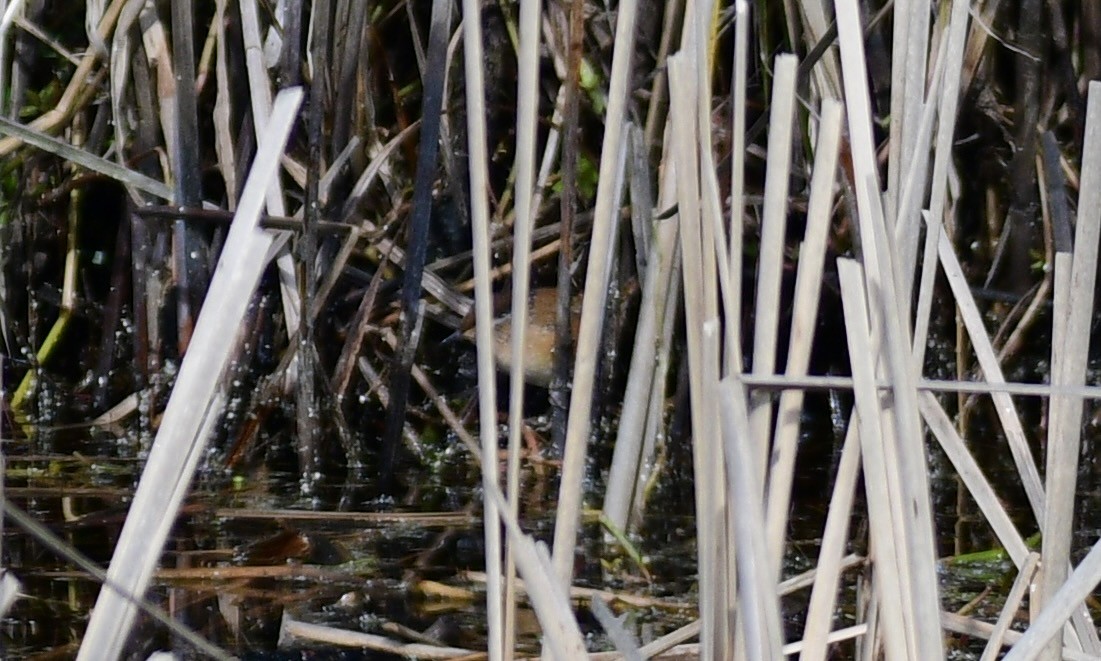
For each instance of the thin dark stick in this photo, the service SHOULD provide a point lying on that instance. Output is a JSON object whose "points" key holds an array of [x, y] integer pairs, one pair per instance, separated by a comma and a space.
{"points": [[223, 217], [310, 430], [563, 332], [418, 235], [1062, 230], [292, 44], [348, 68], [190, 276], [120, 280], [1010, 267]]}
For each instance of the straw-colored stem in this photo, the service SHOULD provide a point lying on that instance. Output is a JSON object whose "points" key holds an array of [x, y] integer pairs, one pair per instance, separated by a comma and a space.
{"points": [[483, 310], [1021, 587], [771, 263], [863, 347], [758, 608], [823, 596], [592, 306], [733, 358], [194, 404], [1070, 355], [527, 107], [808, 285]]}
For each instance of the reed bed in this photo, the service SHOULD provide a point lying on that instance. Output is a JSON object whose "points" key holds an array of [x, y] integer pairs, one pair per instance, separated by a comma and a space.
{"points": [[278, 173]]}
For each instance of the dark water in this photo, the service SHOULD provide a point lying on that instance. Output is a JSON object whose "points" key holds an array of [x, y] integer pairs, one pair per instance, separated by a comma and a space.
{"points": [[368, 576]]}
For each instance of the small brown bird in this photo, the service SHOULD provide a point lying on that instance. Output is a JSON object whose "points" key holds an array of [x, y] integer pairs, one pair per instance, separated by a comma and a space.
{"points": [[539, 351]]}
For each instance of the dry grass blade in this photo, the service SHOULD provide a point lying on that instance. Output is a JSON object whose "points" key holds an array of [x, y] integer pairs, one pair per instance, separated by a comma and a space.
{"points": [[908, 474], [78, 93], [904, 453], [816, 15], [907, 224], [773, 226], [549, 597], [159, 59], [863, 349], [119, 173], [1021, 586], [1059, 607], [223, 141], [834, 538], [260, 102], [984, 351], [977, 629], [972, 476], [527, 107], [1070, 350], [697, 40], [710, 499], [758, 608], [808, 286], [10, 11], [625, 643], [592, 306], [191, 408], [949, 103], [628, 457], [734, 360], [908, 72], [291, 630], [483, 310]]}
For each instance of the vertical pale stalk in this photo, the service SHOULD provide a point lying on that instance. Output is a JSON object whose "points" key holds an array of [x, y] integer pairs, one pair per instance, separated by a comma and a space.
{"points": [[949, 101], [816, 19], [771, 263], [908, 218], [1070, 354], [709, 498], [259, 86], [808, 286], [605, 215], [908, 72], [697, 44], [758, 607], [823, 596], [946, 113], [483, 310], [863, 347], [711, 229], [911, 498], [527, 107], [908, 481], [625, 468], [8, 17], [733, 308]]}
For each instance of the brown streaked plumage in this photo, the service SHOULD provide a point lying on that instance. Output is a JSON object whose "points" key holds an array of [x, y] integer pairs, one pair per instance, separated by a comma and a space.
{"points": [[539, 339]]}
